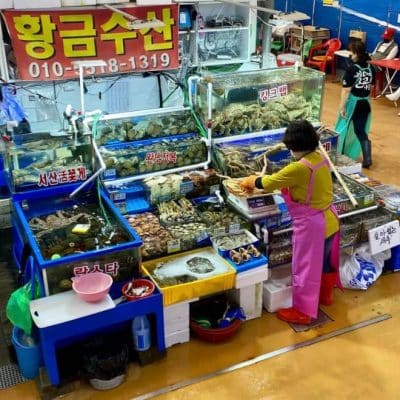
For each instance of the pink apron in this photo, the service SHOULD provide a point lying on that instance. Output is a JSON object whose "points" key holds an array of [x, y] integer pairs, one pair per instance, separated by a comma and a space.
{"points": [[308, 248]]}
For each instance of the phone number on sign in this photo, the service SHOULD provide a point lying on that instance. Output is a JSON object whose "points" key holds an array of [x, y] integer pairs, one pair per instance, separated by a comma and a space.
{"points": [[143, 62]]}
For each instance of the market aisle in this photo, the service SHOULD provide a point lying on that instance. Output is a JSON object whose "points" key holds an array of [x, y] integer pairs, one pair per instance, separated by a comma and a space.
{"points": [[267, 333], [358, 365]]}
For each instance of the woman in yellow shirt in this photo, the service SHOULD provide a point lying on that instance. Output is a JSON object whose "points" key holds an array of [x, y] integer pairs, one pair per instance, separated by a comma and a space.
{"points": [[307, 188]]}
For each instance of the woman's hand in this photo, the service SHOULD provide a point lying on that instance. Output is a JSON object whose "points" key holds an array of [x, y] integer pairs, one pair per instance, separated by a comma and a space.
{"points": [[248, 184], [342, 112]]}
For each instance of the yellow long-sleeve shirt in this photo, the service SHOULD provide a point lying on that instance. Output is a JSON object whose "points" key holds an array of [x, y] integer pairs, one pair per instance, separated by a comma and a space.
{"points": [[296, 177]]}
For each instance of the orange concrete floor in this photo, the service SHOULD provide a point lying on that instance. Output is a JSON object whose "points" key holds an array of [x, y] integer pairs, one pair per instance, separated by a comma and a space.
{"points": [[356, 365]]}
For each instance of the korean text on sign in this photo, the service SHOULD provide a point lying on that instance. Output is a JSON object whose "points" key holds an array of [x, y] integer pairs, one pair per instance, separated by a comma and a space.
{"points": [[272, 93], [54, 178], [384, 237], [47, 42]]}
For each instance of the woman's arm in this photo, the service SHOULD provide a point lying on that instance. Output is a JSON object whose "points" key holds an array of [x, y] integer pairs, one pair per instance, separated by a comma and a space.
{"points": [[343, 99]]}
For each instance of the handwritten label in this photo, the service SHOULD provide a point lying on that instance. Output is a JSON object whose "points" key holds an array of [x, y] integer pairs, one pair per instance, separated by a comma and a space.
{"points": [[384, 237], [173, 246], [219, 231]]}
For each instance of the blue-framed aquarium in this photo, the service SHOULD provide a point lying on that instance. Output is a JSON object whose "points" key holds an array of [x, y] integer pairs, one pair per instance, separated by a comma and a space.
{"points": [[68, 237]]}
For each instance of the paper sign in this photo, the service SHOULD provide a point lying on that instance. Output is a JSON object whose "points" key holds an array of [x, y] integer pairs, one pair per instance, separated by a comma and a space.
{"points": [[384, 237]]}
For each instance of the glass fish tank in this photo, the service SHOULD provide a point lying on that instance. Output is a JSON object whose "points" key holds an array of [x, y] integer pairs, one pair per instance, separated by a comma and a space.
{"points": [[244, 157], [40, 160], [147, 124], [247, 102], [72, 237], [129, 159]]}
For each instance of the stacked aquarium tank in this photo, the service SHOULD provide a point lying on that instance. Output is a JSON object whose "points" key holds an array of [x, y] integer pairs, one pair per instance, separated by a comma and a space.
{"points": [[256, 101], [39, 161]]}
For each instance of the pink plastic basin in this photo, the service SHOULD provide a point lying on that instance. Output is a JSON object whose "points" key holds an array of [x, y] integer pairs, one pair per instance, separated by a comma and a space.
{"points": [[92, 287]]}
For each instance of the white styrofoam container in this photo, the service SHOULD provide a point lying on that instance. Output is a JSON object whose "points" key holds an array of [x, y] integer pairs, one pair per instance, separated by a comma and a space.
{"points": [[112, 1], [28, 4], [276, 295], [177, 337], [252, 276], [152, 2], [176, 318], [6, 4], [249, 298], [74, 3]]}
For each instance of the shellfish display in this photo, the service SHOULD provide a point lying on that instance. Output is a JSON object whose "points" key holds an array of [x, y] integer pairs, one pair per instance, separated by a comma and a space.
{"points": [[131, 159], [154, 125], [75, 230]]}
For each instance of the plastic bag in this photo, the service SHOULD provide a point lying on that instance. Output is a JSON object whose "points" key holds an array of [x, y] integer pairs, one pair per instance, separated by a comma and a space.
{"points": [[17, 309], [361, 269]]}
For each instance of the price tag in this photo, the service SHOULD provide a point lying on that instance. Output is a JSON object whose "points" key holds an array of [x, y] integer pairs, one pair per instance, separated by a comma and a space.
{"points": [[186, 187], [109, 173], [219, 231], [173, 246], [214, 188], [202, 236], [234, 228], [384, 237], [119, 196]]}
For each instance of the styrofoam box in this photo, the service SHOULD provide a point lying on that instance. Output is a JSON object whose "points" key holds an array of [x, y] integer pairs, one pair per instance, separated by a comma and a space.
{"points": [[113, 1], [73, 3], [252, 276], [249, 298], [28, 4], [152, 2], [6, 4], [177, 337], [276, 295], [176, 318]]}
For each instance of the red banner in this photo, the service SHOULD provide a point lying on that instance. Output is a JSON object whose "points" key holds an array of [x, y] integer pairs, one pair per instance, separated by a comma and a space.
{"points": [[47, 42]]}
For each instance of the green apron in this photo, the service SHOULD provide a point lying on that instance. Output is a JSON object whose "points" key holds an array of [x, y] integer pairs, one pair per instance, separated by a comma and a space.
{"points": [[348, 142]]}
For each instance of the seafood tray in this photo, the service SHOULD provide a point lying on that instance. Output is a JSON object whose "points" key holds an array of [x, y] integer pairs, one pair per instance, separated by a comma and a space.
{"points": [[129, 159], [177, 212], [155, 237], [72, 237], [364, 195], [241, 158], [39, 161], [257, 202], [255, 101], [133, 126], [225, 243], [190, 275], [188, 236], [219, 219], [373, 219]]}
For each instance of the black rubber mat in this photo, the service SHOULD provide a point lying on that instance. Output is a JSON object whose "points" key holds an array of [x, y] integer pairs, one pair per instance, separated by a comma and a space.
{"points": [[322, 319], [10, 376]]}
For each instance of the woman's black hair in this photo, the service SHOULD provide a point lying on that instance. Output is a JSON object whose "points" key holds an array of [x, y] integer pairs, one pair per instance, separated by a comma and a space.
{"points": [[300, 135], [359, 49]]}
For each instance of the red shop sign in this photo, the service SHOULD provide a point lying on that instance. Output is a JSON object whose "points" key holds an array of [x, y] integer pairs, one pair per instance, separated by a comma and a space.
{"points": [[47, 42]]}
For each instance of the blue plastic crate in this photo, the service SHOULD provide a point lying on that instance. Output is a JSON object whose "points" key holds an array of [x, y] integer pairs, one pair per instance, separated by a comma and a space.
{"points": [[122, 261]]}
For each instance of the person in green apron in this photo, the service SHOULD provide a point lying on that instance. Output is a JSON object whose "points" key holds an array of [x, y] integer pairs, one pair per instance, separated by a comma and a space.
{"points": [[354, 118]]}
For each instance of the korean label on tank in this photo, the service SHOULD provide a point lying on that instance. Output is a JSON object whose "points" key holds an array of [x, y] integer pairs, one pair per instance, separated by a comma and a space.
{"points": [[46, 43], [272, 93]]}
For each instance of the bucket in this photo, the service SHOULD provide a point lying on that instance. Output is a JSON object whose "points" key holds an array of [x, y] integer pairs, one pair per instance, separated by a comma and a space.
{"points": [[393, 264], [29, 357]]}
